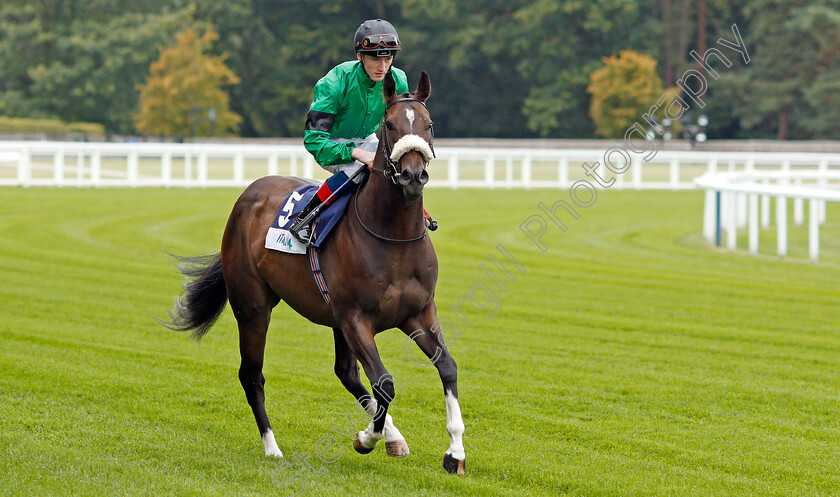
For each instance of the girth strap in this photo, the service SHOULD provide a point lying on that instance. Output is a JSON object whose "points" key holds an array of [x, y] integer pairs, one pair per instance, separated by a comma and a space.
{"points": [[315, 262]]}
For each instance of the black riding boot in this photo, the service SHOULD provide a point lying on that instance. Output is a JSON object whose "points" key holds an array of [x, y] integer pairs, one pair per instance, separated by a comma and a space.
{"points": [[301, 227]]}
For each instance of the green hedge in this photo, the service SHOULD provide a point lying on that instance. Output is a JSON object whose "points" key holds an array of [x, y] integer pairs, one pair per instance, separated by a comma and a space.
{"points": [[49, 126]]}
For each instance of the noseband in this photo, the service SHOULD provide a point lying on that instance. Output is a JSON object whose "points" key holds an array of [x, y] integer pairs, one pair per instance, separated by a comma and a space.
{"points": [[391, 170]]}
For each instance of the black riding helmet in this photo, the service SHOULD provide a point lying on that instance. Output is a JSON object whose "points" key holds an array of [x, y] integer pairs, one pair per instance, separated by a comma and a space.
{"points": [[377, 37]]}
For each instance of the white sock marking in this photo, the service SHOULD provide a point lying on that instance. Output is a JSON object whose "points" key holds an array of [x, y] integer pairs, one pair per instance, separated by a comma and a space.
{"points": [[391, 431], [455, 427], [270, 445]]}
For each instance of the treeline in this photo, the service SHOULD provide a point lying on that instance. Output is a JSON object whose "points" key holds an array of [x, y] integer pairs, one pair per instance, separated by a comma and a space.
{"points": [[513, 68]]}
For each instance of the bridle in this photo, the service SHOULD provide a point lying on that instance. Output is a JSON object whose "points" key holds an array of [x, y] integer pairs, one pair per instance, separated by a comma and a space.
{"points": [[392, 172]]}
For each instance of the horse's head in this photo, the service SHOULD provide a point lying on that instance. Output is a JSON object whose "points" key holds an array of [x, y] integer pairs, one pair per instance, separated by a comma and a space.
{"points": [[406, 138]]}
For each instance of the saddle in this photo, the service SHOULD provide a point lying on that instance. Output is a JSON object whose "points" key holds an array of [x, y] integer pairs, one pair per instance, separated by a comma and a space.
{"points": [[278, 236]]}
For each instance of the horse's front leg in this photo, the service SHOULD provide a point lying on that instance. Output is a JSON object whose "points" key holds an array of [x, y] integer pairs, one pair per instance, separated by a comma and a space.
{"points": [[359, 337], [347, 370], [422, 331]]}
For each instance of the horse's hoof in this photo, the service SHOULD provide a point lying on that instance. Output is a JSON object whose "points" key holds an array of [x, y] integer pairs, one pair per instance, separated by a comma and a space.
{"points": [[361, 449], [396, 448], [452, 465]]}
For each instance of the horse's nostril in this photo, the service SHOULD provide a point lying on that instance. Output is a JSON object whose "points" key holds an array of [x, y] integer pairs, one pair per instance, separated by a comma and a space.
{"points": [[424, 177], [406, 177]]}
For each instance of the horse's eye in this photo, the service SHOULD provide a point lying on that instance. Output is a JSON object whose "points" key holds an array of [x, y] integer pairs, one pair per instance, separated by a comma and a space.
{"points": [[389, 125]]}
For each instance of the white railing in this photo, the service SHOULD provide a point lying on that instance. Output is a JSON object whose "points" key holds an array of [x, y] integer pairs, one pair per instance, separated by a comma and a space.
{"points": [[43, 163], [738, 185], [742, 199]]}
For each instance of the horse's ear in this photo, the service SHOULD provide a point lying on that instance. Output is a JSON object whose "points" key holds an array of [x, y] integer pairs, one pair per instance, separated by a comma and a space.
{"points": [[424, 87], [389, 88]]}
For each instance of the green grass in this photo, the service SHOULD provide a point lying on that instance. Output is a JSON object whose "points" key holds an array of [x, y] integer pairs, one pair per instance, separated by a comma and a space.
{"points": [[629, 359]]}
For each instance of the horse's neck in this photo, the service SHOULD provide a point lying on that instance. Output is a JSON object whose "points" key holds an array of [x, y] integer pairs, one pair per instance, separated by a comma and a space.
{"points": [[385, 210]]}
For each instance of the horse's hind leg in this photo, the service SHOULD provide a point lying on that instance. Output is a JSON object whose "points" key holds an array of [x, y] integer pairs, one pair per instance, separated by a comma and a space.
{"points": [[252, 306], [347, 370], [420, 330]]}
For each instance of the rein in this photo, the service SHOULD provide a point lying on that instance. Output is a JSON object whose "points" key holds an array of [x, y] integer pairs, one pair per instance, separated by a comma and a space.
{"points": [[380, 237]]}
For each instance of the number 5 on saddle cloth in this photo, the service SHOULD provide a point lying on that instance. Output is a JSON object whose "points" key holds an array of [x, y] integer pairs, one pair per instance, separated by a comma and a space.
{"points": [[328, 214]]}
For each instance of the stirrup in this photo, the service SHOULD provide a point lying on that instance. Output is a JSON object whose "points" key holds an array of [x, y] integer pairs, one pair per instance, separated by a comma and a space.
{"points": [[302, 230]]}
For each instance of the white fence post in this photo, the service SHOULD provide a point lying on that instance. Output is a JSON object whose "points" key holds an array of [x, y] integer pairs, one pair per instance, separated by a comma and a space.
{"points": [[822, 183], [753, 221], [24, 172], [781, 226], [188, 167], [563, 171], [133, 166], [96, 168], [732, 221], [239, 167], [765, 208], [742, 211], [709, 216], [166, 168], [637, 172], [80, 166], [798, 207], [202, 169], [452, 172], [675, 173], [814, 230], [58, 167], [489, 173], [526, 172]]}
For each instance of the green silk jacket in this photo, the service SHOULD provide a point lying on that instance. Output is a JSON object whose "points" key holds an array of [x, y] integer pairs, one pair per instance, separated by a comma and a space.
{"points": [[347, 104]]}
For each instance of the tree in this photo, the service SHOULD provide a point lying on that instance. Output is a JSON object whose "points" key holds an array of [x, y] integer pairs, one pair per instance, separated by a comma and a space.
{"points": [[183, 86], [622, 91], [789, 88], [558, 43], [81, 61]]}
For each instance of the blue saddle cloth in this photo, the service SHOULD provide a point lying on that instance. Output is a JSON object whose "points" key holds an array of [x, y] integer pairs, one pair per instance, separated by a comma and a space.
{"points": [[327, 219]]}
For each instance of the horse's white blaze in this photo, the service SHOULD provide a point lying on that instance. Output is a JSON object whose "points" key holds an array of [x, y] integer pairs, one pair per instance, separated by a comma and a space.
{"points": [[410, 115], [411, 142], [455, 427], [271, 448]]}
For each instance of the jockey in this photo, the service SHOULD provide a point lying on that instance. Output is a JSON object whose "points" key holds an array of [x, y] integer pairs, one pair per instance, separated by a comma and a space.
{"points": [[345, 113]]}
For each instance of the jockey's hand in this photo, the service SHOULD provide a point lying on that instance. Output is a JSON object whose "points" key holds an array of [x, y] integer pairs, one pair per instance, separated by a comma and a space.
{"points": [[363, 156]]}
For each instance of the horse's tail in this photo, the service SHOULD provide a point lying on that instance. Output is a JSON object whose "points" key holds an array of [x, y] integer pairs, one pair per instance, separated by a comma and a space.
{"points": [[204, 296]]}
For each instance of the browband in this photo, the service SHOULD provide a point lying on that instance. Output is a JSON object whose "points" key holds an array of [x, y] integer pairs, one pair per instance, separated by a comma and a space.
{"points": [[405, 99]]}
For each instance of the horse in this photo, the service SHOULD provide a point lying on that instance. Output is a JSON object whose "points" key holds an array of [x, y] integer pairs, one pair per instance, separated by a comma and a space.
{"points": [[379, 266]]}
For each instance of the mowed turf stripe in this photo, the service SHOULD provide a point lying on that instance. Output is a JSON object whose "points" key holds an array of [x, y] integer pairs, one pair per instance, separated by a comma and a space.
{"points": [[629, 359]]}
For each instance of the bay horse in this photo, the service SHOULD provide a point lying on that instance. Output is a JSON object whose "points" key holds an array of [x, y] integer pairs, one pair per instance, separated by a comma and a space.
{"points": [[379, 266]]}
